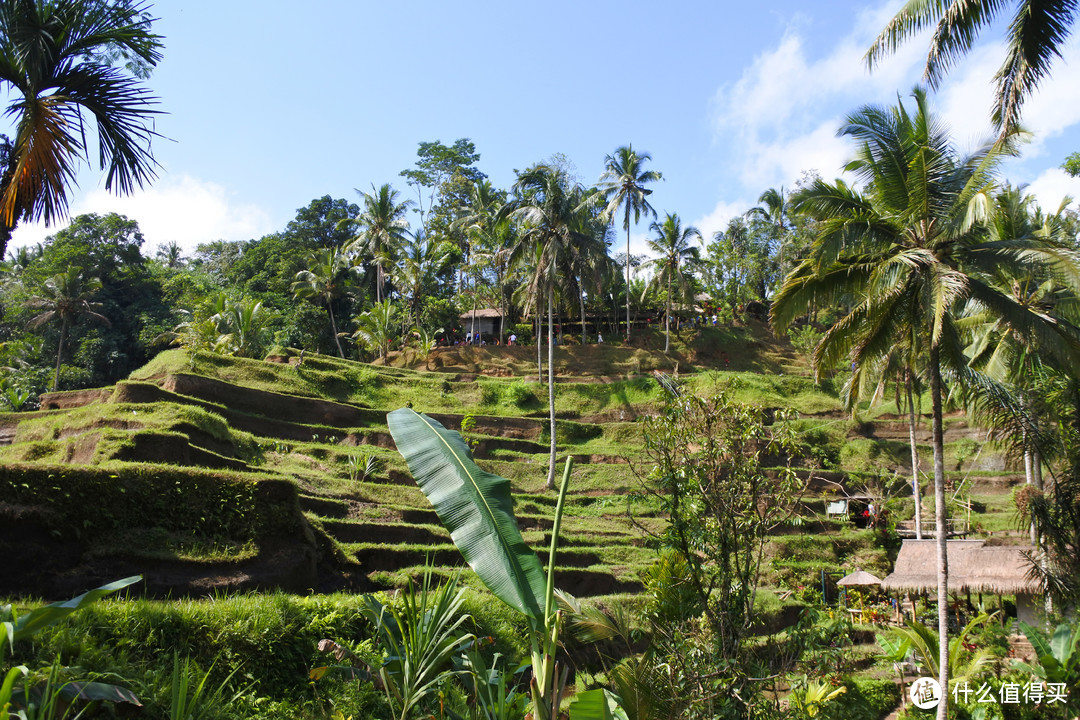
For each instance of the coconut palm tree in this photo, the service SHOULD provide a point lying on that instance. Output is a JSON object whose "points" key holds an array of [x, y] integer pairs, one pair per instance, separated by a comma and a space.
{"points": [[383, 229], [66, 298], [551, 210], [907, 253], [1034, 39], [674, 244], [773, 211], [324, 280], [64, 62], [623, 185], [422, 260]]}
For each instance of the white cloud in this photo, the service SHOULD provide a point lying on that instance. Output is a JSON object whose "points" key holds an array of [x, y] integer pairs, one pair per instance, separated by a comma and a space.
{"points": [[1052, 186], [782, 114], [718, 219], [185, 209]]}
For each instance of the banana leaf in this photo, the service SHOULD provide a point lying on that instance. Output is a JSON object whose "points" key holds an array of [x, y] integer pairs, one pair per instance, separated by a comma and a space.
{"points": [[596, 704], [475, 506]]}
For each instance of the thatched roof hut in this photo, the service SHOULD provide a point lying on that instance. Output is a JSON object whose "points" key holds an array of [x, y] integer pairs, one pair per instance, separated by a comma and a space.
{"points": [[485, 321], [973, 567]]}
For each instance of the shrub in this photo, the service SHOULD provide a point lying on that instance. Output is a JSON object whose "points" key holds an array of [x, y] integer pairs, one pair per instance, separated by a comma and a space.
{"points": [[521, 395]]}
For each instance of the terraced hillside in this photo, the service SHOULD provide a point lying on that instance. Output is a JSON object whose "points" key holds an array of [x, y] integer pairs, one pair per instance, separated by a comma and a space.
{"points": [[213, 473]]}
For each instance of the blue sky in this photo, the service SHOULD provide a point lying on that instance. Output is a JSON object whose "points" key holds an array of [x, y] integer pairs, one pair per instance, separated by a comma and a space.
{"points": [[270, 104]]}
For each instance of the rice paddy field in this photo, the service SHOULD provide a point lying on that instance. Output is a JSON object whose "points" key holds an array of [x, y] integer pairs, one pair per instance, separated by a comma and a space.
{"points": [[257, 498]]}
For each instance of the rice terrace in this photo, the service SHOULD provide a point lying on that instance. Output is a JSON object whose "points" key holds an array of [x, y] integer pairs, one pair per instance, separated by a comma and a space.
{"points": [[531, 445]]}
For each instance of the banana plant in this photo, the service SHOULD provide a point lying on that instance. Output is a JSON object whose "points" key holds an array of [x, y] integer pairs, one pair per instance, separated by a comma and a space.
{"points": [[477, 508], [1058, 657]]}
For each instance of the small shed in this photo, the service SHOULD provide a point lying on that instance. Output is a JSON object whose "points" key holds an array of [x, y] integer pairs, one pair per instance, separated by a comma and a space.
{"points": [[487, 321], [974, 567], [855, 508]]}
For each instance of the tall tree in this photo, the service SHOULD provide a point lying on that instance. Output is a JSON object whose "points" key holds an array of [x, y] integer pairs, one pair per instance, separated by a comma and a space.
{"points": [[383, 228], [436, 164], [324, 281], [422, 260], [551, 209], [64, 61], [911, 251], [623, 185], [674, 244], [773, 211], [65, 298], [1035, 37]]}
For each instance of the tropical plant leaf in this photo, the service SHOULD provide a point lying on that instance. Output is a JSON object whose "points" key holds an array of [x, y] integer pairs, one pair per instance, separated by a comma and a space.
{"points": [[98, 691], [596, 704], [475, 506], [30, 623]]}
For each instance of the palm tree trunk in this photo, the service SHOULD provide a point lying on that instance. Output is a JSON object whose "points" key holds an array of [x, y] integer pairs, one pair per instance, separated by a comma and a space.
{"points": [[539, 340], [914, 456], [581, 300], [333, 328], [60, 353], [628, 273], [551, 383], [667, 318], [941, 526]]}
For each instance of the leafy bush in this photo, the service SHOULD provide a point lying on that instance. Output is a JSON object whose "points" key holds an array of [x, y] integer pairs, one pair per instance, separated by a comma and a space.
{"points": [[521, 395]]}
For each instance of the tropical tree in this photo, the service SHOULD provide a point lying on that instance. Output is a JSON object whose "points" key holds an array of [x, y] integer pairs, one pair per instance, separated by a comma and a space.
{"points": [[324, 280], [375, 328], [422, 260], [1034, 40], [551, 210], [673, 243], [773, 211], [65, 298], [383, 229], [623, 185], [171, 255], [63, 62], [243, 328], [908, 253]]}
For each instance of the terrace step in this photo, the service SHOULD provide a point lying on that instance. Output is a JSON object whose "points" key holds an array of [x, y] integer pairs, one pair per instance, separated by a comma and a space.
{"points": [[384, 532], [324, 506]]}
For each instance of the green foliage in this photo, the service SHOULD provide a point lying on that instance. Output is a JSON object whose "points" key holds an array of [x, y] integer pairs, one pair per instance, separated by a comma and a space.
{"points": [[99, 504], [1057, 657], [420, 635], [1072, 164], [191, 698]]}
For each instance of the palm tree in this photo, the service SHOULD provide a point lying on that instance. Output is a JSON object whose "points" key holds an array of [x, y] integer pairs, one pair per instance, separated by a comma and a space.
{"points": [[243, 327], [66, 297], [383, 228], [623, 184], [773, 211], [375, 328], [422, 260], [324, 280], [552, 212], [63, 61], [492, 245], [171, 255], [1034, 40], [673, 243], [908, 254]]}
